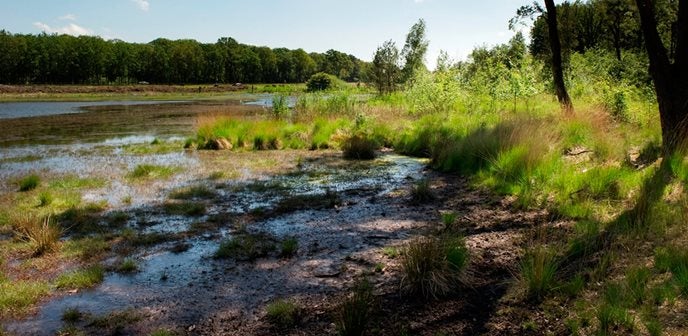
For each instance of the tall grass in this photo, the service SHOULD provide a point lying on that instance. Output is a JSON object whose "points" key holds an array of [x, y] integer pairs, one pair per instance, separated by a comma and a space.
{"points": [[42, 232], [433, 267]]}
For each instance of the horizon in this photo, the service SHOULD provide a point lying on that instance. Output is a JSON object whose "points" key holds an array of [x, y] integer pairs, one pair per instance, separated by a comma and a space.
{"points": [[355, 27]]}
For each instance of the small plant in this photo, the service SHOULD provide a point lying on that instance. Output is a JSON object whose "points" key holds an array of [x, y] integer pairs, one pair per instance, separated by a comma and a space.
{"points": [[610, 316], [29, 183], [390, 251], [433, 267], [421, 192], [538, 269], [127, 266], [280, 106], [72, 315], [127, 199], [246, 247], [283, 313], [193, 192], [448, 219], [359, 147], [83, 278], [289, 247], [156, 141], [43, 234], [354, 313], [45, 198], [185, 208], [148, 171]]}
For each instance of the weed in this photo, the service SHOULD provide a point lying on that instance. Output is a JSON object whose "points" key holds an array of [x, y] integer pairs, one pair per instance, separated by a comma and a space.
{"points": [[283, 313], [637, 279], [17, 296], [127, 199], [289, 247], [246, 247], [610, 316], [354, 313], [147, 171], [45, 198], [82, 278], [359, 147], [127, 266], [448, 219], [43, 234], [538, 269], [193, 192], [72, 315], [185, 208], [433, 267], [390, 251], [421, 192], [162, 332], [29, 183]]}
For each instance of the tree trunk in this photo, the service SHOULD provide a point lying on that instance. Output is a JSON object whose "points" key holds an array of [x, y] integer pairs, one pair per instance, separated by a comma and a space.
{"points": [[555, 47], [671, 80]]}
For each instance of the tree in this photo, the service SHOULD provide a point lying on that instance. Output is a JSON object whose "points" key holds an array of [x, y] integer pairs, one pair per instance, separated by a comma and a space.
{"points": [[414, 50], [555, 47], [670, 77], [386, 67]]}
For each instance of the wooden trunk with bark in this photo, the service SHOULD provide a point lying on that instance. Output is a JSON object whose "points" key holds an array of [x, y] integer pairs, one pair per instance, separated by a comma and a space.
{"points": [[555, 46]]}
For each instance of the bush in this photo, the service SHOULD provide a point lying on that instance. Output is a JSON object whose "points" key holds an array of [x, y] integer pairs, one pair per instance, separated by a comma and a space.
{"points": [[320, 82], [433, 267], [282, 313], [355, 311], [29, 182]]}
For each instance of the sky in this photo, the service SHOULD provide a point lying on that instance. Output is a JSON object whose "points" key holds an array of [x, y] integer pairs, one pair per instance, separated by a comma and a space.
{"points": [[355, 27]]}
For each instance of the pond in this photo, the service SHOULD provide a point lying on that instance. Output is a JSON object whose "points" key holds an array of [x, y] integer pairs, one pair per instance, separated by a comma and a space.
{"points": [[273, 194]]}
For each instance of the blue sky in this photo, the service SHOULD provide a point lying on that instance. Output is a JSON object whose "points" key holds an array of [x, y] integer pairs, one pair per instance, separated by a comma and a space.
{"points": [[352, 26]]}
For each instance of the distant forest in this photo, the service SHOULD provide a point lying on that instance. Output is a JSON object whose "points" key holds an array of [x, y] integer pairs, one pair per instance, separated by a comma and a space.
{"points": [[65, 59]]}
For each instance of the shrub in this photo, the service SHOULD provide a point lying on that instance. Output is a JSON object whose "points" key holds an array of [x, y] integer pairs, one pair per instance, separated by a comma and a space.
{"points": [[433, 267], [359, 147], [538, 269], [282, 313], [320, 81], [29, 182], [354, 313]]}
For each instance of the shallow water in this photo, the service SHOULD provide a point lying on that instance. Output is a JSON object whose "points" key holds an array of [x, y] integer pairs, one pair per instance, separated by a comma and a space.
{"points": [[196, 285]]}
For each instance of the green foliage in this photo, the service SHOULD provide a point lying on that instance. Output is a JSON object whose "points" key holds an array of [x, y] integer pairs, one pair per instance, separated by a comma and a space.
{"points": [[148, 171], [72, 315], [245, 247], [321, 82], [538, 270], [289, 247], [17, 296], [82, 278], [186, 208], [359, 147], [354, 313], [45, 198], [433, 267], [283, 313], [29, 182], [280, 106]]}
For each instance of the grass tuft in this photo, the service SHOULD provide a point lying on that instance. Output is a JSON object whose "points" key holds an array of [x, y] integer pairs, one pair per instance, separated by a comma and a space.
{"points": [[43, 233], [283, 314], [82, 278], [354, 313], [433, 267], [29, 183], [538, 269]]}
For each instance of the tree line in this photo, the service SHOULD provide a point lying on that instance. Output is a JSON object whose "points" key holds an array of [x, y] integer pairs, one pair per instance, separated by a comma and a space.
{"points": [[64, 59]]}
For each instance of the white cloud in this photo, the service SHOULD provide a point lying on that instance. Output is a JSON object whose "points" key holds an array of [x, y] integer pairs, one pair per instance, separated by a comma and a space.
{"points": [[69, 17], [143, 4], [70, 29]]}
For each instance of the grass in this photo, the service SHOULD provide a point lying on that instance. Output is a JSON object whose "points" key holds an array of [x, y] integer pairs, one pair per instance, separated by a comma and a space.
{"points": [[289, 247], [282, 314], [433, 267], [85, 249], [42, 233], [29, 183], [538, 270], [148, 171], [193, 192], [421, 192], [186, 208], [127, 266], [17, 296], [247, 247], [354, 313], [359, 147], [81, 278], [72, 315], [44, 199]]}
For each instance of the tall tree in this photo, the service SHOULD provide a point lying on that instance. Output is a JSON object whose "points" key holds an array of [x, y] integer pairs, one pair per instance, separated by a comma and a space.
{"points": [[555, 47], [670, 77], [414, 50], [386, 67]]}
